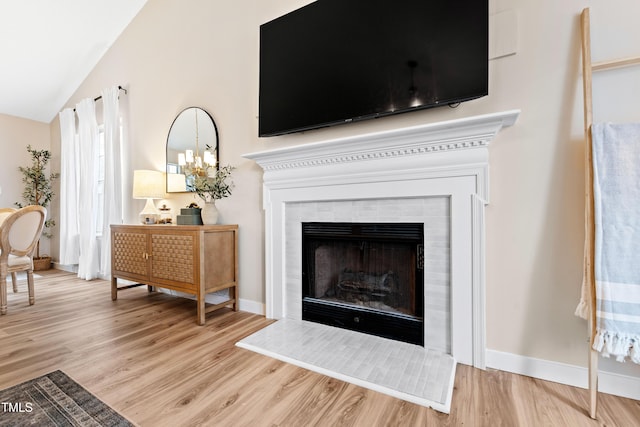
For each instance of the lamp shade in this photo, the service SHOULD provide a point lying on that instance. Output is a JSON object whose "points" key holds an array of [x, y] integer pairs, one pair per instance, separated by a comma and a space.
{"points": [[148, 184], [208, 158]]}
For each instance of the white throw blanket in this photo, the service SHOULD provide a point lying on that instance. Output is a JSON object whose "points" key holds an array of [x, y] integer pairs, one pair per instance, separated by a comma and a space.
{"points": [[616, 191]]}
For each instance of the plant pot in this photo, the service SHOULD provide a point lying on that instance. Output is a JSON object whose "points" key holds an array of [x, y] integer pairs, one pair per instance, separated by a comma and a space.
{"points": [[42, 263], [209, 213]]}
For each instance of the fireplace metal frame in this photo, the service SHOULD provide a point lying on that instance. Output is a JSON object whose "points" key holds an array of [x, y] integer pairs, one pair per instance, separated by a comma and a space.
{"points": [[398, 326]]}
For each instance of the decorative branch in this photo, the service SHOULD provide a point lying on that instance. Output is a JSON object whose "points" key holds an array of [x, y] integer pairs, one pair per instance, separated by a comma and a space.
{"points": [[216, 187]]}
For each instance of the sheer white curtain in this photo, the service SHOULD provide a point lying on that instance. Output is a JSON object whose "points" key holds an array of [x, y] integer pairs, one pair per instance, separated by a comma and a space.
{"points": [[88, 162], [91, 184], [69, 228], [112, 174]]}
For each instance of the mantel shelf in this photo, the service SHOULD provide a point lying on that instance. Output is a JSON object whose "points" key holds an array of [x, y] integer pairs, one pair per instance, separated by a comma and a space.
{"points": [[465, 133]]}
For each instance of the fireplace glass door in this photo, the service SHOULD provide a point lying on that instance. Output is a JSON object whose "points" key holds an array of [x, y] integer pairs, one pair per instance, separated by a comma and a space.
{"points": [[366, 277]]}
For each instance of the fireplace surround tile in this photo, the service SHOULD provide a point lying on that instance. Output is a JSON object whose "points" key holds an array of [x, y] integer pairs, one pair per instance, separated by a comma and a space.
{"points": [[432, 211]]}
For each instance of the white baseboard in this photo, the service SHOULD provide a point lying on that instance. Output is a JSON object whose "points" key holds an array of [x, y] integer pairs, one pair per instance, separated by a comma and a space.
{"points": [[220, 296], [252, 306], [247, 305], [576, 376], [67, 268]]}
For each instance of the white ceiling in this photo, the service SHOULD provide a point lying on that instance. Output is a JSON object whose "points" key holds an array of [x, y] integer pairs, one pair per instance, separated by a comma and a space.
{"points": [[47, 49]]}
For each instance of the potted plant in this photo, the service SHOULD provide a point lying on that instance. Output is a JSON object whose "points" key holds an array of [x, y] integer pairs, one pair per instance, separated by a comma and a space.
{"points": [[38, 191], [212, 186]]}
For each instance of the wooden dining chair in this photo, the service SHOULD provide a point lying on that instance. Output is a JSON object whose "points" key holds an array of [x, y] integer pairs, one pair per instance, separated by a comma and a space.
{"points": [[19, 234], [4, 214]]}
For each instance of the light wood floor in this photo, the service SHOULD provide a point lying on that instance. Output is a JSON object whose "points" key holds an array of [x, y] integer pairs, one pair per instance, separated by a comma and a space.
{"points": [[145, 356]]}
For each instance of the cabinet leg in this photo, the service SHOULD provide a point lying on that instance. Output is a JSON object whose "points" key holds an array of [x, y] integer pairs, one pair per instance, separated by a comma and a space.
{"points": [[201, 311], [114, 289], [233, 293]]}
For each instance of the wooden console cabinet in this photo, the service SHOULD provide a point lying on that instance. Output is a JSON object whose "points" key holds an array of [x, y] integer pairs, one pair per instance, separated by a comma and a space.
{"points": [[195, 259]]}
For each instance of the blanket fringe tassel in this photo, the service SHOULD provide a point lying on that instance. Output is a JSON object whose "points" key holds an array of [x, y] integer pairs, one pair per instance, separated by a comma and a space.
{"points": [[620, 346]]}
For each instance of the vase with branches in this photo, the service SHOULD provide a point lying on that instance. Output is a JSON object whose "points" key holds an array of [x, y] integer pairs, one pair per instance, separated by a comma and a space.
{"points": [[38, 186], [211, 186]]}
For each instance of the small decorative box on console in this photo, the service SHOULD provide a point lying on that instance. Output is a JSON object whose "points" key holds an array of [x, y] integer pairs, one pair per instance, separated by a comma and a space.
{"points": [[189, 216]]}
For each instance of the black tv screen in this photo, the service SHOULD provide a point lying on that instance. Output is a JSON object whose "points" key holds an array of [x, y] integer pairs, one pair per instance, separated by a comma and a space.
{"points": [[338, 61]]}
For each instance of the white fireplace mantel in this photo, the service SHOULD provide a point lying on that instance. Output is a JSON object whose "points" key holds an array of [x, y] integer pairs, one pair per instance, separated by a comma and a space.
{"points": [[463, 137], [445, 159]]}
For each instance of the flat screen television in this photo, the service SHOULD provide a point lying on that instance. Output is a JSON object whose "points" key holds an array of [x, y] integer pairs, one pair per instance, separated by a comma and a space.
{"points": [[339, 61]]}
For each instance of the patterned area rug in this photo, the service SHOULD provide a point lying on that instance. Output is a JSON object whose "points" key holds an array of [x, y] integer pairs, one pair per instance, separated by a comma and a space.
{"points": [[55, 399]]}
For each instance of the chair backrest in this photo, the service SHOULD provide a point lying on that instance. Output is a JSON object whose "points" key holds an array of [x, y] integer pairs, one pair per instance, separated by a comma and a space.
{"points": [[5, 212], [21, 230]]}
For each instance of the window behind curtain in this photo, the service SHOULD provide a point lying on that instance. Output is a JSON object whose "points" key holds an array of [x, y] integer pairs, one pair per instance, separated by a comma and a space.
{"points": [[100, 186]]}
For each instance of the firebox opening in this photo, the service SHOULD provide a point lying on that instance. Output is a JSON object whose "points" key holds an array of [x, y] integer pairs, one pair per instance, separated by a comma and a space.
{"points": [[367, 277]]}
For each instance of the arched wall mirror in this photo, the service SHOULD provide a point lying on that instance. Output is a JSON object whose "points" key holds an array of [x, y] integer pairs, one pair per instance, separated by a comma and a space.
{"points": [[192, 148]]}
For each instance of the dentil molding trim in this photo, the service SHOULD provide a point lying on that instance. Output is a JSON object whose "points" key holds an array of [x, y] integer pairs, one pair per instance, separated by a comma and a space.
{"points": [[459, 134]]}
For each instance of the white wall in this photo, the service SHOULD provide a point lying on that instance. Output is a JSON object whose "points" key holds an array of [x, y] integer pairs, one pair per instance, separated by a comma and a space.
{"points": [[177, 54]]}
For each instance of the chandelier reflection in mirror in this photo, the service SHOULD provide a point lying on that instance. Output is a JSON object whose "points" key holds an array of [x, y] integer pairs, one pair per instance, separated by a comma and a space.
{"points": [[194, 164], [192, 149]]}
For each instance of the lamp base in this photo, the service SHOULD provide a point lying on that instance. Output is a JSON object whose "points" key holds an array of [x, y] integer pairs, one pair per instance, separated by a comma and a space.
{"points": [[150, 214]]}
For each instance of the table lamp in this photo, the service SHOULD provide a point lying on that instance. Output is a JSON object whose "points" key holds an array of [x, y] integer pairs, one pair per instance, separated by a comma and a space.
{"points": [[148, 184]]}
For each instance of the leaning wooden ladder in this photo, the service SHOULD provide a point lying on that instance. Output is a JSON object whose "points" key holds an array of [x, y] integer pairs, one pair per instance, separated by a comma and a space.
{"points": [[588, 68]]}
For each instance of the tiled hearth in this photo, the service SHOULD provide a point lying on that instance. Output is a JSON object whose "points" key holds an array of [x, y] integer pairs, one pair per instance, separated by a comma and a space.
{"points": [[436, 174], [402, 370]]}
